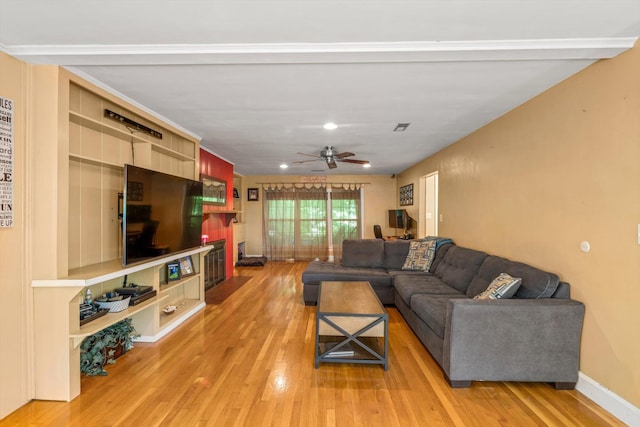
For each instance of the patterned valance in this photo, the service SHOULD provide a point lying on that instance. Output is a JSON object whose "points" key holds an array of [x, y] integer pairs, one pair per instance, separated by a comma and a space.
{"points": [[309, 185]]}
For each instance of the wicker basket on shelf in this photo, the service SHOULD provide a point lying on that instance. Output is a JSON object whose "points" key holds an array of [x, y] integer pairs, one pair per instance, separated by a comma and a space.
{"points": [[115, 306]]}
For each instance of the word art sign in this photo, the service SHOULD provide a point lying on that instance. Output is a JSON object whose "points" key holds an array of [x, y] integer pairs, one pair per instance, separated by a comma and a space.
{"points": [[6, 162]]}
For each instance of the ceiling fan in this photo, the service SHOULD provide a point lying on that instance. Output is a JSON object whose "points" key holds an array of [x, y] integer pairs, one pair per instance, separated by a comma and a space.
{"points": [[331, 156]]}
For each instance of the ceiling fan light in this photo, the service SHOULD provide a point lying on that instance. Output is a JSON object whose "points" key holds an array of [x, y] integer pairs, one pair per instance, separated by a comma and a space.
{"points": [[284, 166], [366, 165], [330, 126]]}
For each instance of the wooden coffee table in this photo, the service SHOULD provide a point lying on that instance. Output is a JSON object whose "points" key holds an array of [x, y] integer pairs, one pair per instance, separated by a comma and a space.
{"points": [[351, 325]]}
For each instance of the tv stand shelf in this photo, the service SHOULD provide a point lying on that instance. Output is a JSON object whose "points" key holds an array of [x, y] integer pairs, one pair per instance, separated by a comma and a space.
{"points": [[165, 287], [108, 320], [58, 333]]}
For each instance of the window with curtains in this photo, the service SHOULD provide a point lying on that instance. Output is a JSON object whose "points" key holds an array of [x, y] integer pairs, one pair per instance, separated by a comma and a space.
{"points": [[345, 217], [296, 221]]}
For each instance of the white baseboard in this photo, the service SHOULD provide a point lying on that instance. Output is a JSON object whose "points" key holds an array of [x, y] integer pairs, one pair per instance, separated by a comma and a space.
{"points": [[617, 406]]}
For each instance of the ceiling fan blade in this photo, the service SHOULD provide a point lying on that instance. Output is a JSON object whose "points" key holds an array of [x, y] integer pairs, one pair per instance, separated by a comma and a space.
{"points": [[310, 155], [358, 162], [343, 155], [332, 164], [307, 161]]}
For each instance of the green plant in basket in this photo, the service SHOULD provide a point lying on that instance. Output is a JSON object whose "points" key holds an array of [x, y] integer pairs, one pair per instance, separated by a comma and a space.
{"points": [[101, 348]]}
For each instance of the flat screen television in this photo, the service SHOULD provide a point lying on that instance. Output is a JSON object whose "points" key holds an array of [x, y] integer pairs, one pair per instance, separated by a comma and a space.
{"points": [[161, 214], [398, 218]]}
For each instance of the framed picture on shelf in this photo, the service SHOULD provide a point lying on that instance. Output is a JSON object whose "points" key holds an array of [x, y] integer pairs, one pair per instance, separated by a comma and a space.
{"points": [[252, 194], [236, 194], [173, 271], [186, 266], [406, 195]]}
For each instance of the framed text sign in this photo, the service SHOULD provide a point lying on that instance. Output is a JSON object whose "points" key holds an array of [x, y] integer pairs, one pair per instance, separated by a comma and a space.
{"points": [[6, 162]]}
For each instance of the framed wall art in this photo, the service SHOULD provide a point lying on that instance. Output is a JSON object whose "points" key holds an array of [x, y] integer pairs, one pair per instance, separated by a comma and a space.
{"points": [[253, 194], [406, 195]]}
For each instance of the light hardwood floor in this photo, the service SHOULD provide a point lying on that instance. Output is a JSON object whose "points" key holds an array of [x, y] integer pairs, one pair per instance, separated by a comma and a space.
{"points": [[248, 361]]}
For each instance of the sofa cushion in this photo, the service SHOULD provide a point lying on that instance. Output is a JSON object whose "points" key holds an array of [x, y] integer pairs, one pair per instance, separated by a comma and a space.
{"points": [[441, 251], [458, 267], [321, 271], [420, 256], [395, 252], [535, 282], [395, 273], [363, 253], [502, 287], [408, 285], [432, 310]]}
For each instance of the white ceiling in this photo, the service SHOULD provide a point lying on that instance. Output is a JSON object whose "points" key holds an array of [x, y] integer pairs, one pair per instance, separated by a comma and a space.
{"points": [[256, 80]]}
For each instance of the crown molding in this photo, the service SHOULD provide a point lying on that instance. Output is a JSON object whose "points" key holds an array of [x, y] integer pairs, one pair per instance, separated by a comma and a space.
{"points": [[269, 53], [213, 153]]}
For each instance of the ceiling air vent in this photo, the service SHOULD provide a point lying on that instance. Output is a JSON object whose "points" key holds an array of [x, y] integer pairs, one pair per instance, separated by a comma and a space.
{"points": [[401, 127]]}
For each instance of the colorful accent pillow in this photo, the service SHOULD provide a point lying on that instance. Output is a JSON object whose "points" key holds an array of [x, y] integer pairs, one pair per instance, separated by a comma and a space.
{"points": [[420, 256], [503, 286]]}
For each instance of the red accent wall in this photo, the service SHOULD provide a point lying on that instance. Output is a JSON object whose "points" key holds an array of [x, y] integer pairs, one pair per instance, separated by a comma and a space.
{"points": [[214, 224]]}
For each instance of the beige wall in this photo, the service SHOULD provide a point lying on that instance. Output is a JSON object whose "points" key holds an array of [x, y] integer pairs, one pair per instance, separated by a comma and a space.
{"points": [[379, 195], [15, 296], [530, 186], [561, 169]]}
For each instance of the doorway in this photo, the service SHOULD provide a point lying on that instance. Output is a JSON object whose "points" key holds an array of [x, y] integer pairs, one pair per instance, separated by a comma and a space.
{"points": [[431, 204]]}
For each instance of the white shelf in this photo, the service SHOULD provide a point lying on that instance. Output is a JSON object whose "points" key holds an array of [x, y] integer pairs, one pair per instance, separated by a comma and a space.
{"points": [[166, 287], [95, 161], [108, 320], [169, 152], [105, 128], [125, 135], [183, 307], [98, 273]]}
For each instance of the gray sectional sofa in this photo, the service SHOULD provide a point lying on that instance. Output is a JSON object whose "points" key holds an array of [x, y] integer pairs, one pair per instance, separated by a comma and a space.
{"points": [[534, 336]]}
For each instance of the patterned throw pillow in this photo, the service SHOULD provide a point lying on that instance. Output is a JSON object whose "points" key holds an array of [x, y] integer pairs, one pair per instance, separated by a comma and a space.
{"points": [[420, 256], [503, 286]]}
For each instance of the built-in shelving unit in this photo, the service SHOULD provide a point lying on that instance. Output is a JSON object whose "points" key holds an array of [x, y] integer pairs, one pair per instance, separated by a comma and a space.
{"points": [[85, 235], [57, 314], [238, 227]]}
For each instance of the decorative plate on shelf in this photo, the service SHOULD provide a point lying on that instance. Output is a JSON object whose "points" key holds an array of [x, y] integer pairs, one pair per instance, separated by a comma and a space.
{"points": [[170, 309]]}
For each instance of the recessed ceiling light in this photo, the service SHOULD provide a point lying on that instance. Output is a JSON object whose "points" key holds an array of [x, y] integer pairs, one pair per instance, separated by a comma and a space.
{"points": [[330, 126], [401, 127], [366, 165], [284, 166]]}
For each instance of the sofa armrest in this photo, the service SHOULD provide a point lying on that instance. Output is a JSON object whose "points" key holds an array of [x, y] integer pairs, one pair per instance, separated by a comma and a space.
{"points": [[513, 340]]}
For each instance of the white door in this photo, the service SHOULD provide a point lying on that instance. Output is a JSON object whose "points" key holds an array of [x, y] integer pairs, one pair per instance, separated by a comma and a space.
{"points": [[431, 204]]}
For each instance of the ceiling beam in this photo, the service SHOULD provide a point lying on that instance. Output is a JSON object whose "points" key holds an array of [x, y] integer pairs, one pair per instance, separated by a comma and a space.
{"points": [[296, 53]]}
